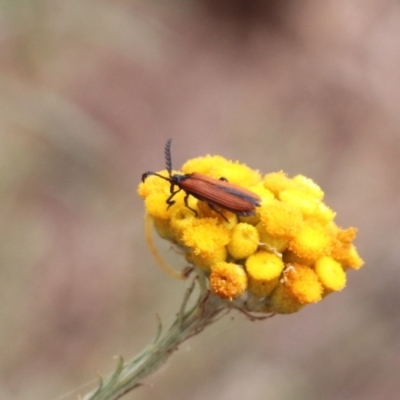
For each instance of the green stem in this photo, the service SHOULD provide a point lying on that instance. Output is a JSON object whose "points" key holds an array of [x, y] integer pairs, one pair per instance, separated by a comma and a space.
{"points": [[207, 309]]}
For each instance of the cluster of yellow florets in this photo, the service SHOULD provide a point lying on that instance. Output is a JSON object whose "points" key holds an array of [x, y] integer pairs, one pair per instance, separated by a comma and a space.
{"points": [[289, 254]]}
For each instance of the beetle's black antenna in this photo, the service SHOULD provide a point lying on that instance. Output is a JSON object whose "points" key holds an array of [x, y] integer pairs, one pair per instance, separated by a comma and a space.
{"points": [[168, 160]]}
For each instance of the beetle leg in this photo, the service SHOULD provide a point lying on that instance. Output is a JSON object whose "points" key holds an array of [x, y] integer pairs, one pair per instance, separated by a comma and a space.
{"points": [[217, 211], [169, 201], [187, 204]]}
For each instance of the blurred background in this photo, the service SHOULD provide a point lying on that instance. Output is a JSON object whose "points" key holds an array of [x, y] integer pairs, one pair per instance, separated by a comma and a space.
{"points": [[89, 92]]}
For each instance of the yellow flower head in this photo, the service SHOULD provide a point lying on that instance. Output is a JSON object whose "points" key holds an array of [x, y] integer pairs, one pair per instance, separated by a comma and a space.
{"points": [[277, 256]]}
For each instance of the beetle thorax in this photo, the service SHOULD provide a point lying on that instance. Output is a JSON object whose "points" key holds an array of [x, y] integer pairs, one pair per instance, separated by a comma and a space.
{"points": [[177, 178]]}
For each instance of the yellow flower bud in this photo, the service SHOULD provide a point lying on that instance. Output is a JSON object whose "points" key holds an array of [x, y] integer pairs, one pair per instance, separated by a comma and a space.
{"points": [[156, 207], [289, 258], [204, 236], [330, 274], [323, 214], [308, 186], [263, 269], [181, 220], [303, 284], [228, 280], [343, 249], [163, 228], [281, 219], [244, 241], [206, 261], [271, 243], [229, 220], [311, 242], [276, 182], [218, 167], [306, 203], [282, 302]]}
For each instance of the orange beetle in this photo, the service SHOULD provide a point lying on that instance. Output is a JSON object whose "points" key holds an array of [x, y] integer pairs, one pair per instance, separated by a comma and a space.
{"points": [[217, 193]]}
